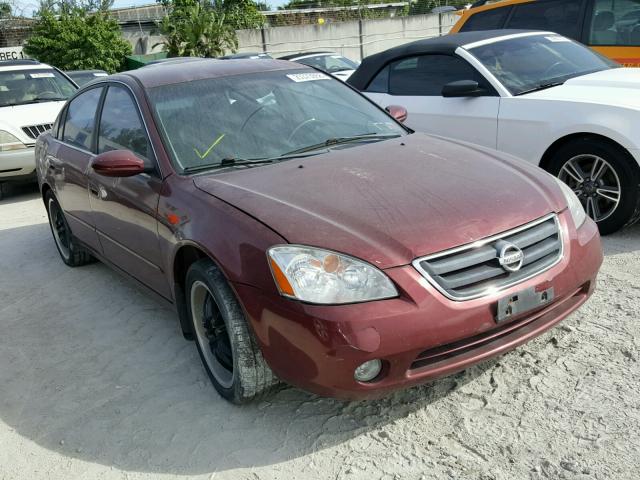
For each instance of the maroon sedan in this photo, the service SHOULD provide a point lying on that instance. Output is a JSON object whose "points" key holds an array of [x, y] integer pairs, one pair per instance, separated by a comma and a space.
{"points": [[304, 234]]}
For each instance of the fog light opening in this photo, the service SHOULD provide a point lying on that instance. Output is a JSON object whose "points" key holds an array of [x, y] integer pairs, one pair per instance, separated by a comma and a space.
{"points": [[368, 371]]}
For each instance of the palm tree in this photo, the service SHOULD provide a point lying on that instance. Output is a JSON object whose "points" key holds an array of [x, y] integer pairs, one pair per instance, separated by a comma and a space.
{"points": [[198, 30]]}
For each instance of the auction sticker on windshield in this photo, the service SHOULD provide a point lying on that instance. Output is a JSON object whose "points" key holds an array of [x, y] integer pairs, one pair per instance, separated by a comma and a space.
{"points": [[42, 75], [307, 77], [557, 39]]}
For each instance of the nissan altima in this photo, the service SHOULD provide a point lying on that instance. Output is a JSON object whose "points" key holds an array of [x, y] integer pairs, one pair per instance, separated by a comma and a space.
{"points": [[303, 234], [537, 95]]}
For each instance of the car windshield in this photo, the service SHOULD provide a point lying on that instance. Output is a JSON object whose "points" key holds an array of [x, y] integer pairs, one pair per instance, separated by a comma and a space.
{"points": [[214, 122], [329, 63], [526, 64], [82, 78], [20, 87]]}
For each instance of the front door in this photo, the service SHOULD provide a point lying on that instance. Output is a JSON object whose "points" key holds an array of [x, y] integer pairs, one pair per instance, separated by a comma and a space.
{"points": [[416, 84], [124, 209]]}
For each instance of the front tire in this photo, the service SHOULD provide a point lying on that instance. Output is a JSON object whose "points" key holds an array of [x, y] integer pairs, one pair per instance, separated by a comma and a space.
{"points": [[226, 346], [70, 251], [604, 177]]}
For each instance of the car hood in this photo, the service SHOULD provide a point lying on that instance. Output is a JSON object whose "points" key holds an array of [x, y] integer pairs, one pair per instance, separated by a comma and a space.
{"points": [[618, 86], [390, 202], [14, 118]]}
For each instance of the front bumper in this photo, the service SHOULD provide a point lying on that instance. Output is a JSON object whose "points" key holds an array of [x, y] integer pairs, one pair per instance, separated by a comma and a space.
{"points": [[17, 164], [420, 336]]}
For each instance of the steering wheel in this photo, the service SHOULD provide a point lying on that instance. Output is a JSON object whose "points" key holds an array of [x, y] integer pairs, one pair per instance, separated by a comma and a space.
{"points": [[45, 94], [550, 69], [300, 126]]}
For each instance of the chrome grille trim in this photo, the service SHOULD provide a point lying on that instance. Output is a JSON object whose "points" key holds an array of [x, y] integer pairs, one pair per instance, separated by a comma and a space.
{"points": [[33, 131], [482, 249]]}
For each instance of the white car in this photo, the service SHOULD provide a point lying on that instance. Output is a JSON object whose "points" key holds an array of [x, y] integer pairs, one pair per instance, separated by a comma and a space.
{"points": [[31, 96], [329, 62], [536, 95]]}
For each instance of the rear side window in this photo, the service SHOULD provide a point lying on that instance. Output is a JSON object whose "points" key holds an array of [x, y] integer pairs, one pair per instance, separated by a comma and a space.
{"points": [[80, 121], [425, 75], [380, 83], [121, 127], [559, 16], [486, 20]]}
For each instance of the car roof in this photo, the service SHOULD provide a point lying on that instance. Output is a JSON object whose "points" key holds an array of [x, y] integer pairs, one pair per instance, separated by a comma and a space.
{"points": [[445, 45], [251, 55], [26, 64], [293, 56], [80, 72], [172, 73], [489, 5]]}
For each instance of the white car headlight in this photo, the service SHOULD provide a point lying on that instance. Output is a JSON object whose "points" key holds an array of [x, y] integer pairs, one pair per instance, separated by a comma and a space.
{"points": [[575, 207], [10, 142], [321, 276]]}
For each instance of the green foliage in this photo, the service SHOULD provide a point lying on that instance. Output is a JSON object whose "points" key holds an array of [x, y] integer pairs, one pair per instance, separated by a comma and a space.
{"points": [[76, 40], [202, 29], [5, 10], [61, 6]]}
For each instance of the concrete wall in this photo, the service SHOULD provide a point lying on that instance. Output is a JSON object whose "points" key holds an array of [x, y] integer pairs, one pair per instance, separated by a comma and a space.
{"points": [[351, 39]]}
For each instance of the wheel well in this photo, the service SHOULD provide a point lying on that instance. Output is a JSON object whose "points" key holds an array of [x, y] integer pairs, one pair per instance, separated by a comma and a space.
{"points": [[184, 258], [545, 162]]}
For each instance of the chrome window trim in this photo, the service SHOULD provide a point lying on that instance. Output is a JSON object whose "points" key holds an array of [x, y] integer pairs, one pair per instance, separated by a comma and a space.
{"points": [[482, 242]]}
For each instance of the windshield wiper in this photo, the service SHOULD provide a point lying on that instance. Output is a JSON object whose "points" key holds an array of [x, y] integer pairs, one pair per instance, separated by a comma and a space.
{"points": [[49, 99], [342, 140], [226, 162], [542, 86]]}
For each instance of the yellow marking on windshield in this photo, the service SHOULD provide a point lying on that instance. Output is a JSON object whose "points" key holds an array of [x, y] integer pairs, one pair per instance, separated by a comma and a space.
{"points": [[206, 154]]}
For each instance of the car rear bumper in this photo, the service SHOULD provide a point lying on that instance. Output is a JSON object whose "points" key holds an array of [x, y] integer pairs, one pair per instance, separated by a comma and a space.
{"points": [[17, 164], [419, 336]]}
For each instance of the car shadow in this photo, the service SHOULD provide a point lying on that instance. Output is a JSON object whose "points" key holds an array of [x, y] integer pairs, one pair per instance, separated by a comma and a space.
{"points": [[626, 240], [16, 193], [93, 368]]}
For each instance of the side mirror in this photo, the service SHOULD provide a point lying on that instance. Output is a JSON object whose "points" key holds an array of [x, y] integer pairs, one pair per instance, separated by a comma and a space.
{"points": [[462, 88], [117, 163], [397, 112]]}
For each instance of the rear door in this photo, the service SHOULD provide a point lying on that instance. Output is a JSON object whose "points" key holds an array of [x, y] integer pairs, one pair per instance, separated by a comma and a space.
{"points": [[68, 163], [416, 83], [125, 209]]}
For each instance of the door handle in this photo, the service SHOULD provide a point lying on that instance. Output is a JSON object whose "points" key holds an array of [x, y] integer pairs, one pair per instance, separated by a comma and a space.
{"points": [[53, 163]]}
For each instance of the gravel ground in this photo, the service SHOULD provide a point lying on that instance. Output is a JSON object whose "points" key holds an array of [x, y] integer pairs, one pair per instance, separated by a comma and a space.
{"points": [[97, 383]]}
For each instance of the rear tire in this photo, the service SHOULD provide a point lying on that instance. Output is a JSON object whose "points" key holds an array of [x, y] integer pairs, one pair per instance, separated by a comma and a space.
{"points": [[605, 178], [227, 348], [68, 247]]}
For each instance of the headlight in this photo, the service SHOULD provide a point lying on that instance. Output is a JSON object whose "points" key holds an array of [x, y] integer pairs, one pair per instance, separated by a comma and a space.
{"points": [[322, 276], [575, 207], [10, 142]]}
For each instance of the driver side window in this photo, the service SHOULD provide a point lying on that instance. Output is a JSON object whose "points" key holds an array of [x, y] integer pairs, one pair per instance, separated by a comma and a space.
{"points": [[121, 127], [424, 75]]}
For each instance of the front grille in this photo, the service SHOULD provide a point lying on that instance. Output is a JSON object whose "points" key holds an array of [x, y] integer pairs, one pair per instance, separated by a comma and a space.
{"points": [[474, 270], [34, 131]]}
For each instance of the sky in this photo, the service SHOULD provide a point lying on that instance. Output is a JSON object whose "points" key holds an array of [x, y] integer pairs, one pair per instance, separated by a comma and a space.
{"points": [[30, 5]]}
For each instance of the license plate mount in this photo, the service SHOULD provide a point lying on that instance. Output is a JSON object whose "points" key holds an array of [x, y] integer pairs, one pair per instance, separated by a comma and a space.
{"points": [[522, 302]]}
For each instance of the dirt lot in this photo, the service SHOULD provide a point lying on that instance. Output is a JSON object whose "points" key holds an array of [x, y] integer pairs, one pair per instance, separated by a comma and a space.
{"points": [[97, 383]]}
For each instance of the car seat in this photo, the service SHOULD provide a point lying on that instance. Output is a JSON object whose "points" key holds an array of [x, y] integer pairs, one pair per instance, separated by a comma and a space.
{"points": [[604, 32]]}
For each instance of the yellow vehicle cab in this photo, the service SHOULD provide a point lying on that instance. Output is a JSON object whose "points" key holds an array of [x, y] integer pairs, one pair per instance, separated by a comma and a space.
{"points": [[611, 27]]}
